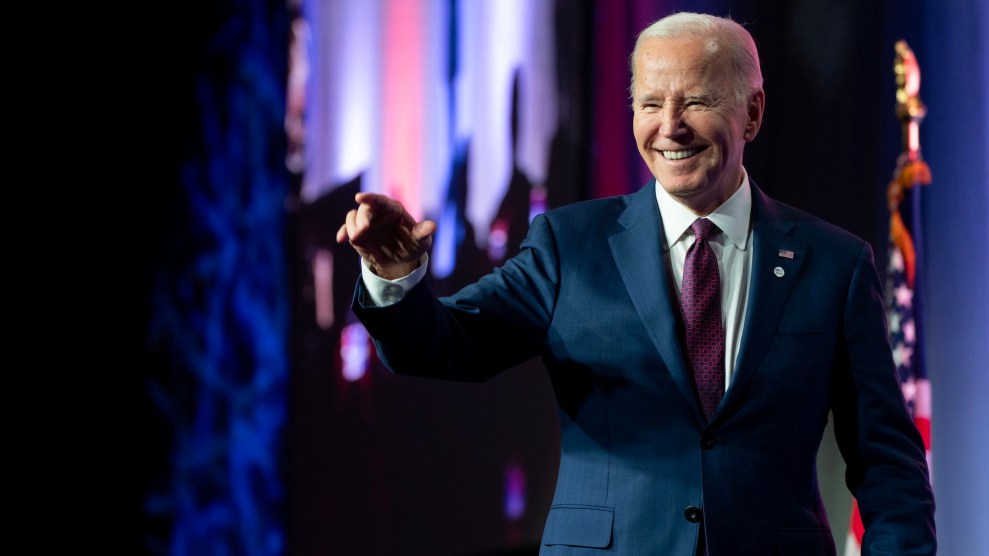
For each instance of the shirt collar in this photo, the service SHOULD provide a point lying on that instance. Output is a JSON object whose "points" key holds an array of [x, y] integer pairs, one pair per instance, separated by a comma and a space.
{"points": [[732, 217]]}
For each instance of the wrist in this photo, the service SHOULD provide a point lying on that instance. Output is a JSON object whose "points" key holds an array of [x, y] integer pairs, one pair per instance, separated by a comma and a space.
{"points": [[393, 271]]}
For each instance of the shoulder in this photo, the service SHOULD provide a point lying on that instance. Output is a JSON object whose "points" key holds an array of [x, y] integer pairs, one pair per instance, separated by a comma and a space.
{"points": [[602, 207], [581, 225]]}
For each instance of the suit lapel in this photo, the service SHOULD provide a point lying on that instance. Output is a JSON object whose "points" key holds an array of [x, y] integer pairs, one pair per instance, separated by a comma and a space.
{"points": [[776, 264], [638, 252]]}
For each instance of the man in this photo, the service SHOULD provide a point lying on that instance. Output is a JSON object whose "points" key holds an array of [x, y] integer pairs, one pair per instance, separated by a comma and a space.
{"points": [[688, 425]]}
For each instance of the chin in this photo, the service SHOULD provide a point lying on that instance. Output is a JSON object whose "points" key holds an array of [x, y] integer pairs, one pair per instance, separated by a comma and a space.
{"points": [[677, 184]]}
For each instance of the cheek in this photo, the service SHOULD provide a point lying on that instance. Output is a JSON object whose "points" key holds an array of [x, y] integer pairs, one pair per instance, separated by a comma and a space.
{"points": [[732, 142], [642, 128]]}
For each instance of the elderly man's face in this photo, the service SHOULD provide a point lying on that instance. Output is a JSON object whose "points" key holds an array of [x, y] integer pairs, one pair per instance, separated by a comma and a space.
{"points": [[688, 125]]}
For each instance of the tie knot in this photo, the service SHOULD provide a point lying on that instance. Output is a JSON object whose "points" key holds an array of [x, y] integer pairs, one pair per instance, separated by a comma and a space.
{"points": [[702, 228]]}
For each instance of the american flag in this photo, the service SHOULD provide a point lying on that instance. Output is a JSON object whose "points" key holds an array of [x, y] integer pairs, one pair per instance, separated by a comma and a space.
{"points": [[904, 318]]}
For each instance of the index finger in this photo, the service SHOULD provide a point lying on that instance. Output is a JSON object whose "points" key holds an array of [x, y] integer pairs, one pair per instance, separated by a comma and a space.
{"points": [[377, 204], [377, 201]]}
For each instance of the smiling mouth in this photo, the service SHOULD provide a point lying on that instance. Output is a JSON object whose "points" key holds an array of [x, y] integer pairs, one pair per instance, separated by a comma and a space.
{"points": [[680, 155]]}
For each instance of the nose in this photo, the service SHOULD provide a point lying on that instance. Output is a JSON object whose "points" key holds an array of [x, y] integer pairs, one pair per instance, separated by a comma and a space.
{"points": [[671, 121]]}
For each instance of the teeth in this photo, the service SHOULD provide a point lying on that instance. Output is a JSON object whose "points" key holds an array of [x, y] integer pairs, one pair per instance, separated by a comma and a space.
{"points": [[679, 155]]}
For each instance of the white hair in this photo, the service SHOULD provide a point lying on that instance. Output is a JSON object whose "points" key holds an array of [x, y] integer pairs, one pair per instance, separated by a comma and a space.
{"points": [[718, 34]]}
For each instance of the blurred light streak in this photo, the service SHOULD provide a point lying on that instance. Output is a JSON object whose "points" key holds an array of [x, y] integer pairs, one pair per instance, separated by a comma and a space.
{"points": [[322, 271], [355, 352], [515, 491]]}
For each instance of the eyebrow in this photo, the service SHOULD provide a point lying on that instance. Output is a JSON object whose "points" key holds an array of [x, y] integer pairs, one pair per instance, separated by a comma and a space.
{"points": [[648, 97], [700, 95]]}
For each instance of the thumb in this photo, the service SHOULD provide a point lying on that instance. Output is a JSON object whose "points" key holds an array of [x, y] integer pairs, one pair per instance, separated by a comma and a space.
{"points": [[423, 229], [423, 234]]}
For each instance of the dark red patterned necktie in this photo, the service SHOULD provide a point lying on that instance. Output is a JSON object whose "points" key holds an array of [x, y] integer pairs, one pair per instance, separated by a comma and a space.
{"points": [[700, 307]]}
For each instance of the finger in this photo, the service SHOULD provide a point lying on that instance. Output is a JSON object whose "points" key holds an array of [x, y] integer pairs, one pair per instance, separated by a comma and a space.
{"points": [[381, 203], [351, 224], [423, 229], [363, 216], [342, 233], [364, 196], [384, 207]]}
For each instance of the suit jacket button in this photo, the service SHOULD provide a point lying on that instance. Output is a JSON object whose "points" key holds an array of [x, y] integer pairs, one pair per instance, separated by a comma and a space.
{"points": [[707, 442], [692, 513]]}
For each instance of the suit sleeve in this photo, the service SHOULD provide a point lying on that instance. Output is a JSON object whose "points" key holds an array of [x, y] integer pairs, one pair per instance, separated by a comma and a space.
{"points": [[496, 323], [885, 456]]}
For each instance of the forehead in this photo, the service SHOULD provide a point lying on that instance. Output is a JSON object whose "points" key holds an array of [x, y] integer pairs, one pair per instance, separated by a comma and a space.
{"points": [[677, 64]]}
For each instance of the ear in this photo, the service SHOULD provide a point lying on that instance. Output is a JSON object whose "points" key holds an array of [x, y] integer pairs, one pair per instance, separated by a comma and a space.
{"points": [[754, 111]]}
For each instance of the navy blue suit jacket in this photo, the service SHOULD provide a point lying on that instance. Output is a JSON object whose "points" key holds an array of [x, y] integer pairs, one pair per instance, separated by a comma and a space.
{"points": [[639, 466]]}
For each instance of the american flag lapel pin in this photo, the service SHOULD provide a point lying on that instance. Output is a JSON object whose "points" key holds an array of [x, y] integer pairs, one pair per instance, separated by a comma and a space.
{"points": [[786, 253]]}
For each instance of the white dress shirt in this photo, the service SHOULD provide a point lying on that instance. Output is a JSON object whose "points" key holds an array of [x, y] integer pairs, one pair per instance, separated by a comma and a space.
{"points": [[731, 245]]}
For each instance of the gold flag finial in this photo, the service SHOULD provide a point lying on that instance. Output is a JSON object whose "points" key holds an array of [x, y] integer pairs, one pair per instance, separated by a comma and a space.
{"points": [[910, 110], [911, 170]]}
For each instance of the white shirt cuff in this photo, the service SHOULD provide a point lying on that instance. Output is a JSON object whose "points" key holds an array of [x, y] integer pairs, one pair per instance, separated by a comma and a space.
{"points": [[385, 292]]}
